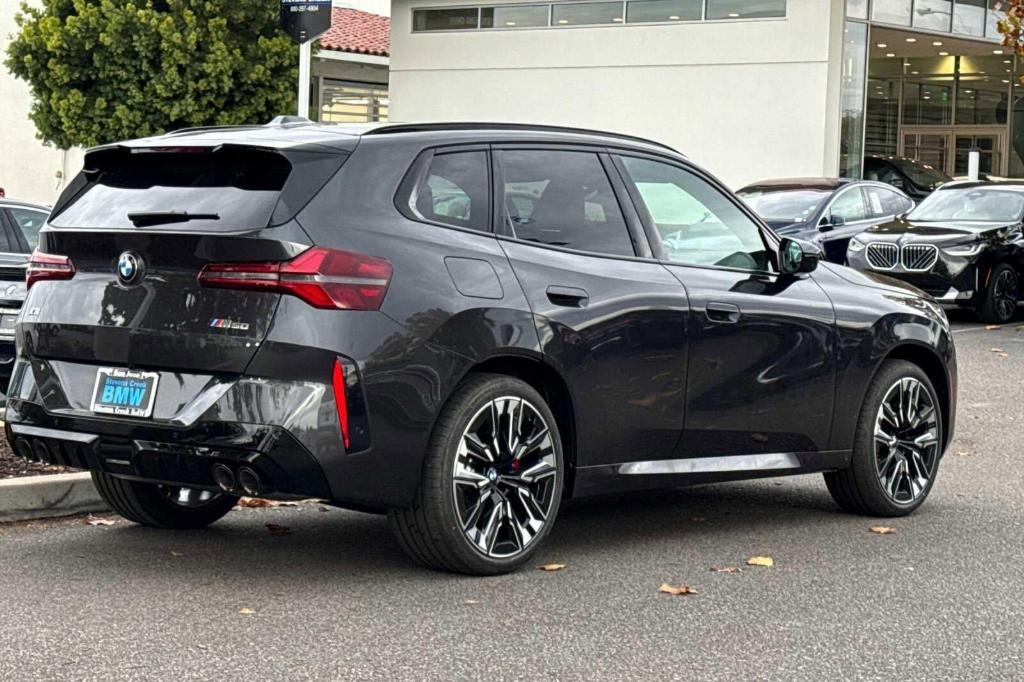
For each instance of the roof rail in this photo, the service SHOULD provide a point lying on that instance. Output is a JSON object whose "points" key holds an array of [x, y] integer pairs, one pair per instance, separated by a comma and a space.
{"points": [[427, 127], [199, 129]]}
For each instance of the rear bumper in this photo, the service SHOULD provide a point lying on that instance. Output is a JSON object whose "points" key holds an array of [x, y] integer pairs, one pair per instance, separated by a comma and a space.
{"points": [[285, 431]]}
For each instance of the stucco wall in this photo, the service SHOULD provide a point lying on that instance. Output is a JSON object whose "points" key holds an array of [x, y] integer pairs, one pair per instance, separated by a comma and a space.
{"points": [[746, 99], [27, 166]]}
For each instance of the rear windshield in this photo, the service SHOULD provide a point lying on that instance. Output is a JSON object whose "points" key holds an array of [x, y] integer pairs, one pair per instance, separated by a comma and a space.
{"points": [[222, 189], [791, 206]]}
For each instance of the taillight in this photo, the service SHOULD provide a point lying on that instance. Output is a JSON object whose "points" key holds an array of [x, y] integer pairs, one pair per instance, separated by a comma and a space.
{"points": [[323, 278], [44, 266], [341, 399]]}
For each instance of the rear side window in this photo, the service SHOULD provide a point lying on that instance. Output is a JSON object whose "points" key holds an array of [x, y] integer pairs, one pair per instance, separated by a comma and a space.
{"points": [[230, 188], [849, 206], [885, 202], [454, 191], [29, 222], [563, 198]]}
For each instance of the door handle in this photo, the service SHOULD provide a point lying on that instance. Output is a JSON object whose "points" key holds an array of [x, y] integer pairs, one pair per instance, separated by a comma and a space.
{"points": [[725, 313], [569, 297]]}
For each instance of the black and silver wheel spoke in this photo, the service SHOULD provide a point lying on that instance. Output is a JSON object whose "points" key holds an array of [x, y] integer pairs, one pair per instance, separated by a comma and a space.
{"points": [[504, 476], [906, 440]]}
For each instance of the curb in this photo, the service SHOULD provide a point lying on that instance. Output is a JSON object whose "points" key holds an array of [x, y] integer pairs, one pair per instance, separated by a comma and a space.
{"points": [[48, 496]]}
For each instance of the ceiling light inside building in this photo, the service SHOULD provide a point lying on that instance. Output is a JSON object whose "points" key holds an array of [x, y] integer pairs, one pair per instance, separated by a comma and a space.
{"points": [[674, 17], [937, 43], [911, 40], [943, 54], [882, 46], [997, 51], [890, 55]]}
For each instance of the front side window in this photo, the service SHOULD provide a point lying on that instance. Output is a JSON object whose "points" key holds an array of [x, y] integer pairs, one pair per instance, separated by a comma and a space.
{"points": [[29, 222], [849, 207], [454, 190], [697, 224], [563, 198], [746, 9]]}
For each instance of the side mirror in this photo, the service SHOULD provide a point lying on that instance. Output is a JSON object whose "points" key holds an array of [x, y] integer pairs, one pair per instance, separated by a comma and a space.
{"points": [[797, 257], [831, 222]]}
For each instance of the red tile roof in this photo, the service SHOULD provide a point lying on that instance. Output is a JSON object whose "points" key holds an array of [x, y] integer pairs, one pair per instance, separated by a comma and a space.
{"points": [[355, 31]]}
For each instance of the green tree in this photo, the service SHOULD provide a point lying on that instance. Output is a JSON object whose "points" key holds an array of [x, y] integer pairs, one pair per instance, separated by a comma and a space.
{"points": [[104, 70]]}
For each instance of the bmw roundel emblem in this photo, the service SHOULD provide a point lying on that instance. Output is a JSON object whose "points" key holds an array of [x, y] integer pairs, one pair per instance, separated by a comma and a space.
{"points": [[129, 267]]}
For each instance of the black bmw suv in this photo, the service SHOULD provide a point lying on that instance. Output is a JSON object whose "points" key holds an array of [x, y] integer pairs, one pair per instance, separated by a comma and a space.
{"points": [[459, 325]]}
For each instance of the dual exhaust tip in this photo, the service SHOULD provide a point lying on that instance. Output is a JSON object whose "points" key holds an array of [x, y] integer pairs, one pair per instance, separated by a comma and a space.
{"points": [[246, 479]]}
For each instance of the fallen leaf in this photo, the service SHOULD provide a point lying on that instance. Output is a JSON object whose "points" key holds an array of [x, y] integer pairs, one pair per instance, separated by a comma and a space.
{"points": [[278, 530], [997, 350], [1004, 355], [246, 611], [962, 453], [992, 327], [94, 521], [765, 561], [173, 553], [471, 601], [727, 569], [254, 502], [882, 530], [551, 567], [676, 590]]}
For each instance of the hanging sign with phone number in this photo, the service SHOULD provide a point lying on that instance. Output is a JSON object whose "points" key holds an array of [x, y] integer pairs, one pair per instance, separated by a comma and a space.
{"points": [[305, 20]]}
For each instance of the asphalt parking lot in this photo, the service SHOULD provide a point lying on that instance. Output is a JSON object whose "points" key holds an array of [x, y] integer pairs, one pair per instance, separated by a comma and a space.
{"points": [[939, 598]]}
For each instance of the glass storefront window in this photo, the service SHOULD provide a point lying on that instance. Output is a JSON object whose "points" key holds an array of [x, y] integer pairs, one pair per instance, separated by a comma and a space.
{"points": [[514, 16], [891, 12], [928, 101], [444, 19], [969, 17], [881, 135], [746, 9], [851, 137], [857, 9], [934, 15], [996, 13], [586, 13], [639, 11]]}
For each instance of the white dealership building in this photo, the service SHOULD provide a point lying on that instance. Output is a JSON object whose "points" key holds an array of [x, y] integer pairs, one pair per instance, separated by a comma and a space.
{"points": [[748, 88]]}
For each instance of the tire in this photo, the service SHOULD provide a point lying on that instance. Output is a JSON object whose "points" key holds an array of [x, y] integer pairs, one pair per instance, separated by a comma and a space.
{"points": [[152, 505], [863, 487], [998, 302], [491, 481]]}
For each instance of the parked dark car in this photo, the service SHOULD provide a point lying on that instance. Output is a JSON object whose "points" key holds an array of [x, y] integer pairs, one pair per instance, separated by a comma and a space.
{"points": [[20, 223], [827, 212], [962, 245], [916, 179], [459, 325]]}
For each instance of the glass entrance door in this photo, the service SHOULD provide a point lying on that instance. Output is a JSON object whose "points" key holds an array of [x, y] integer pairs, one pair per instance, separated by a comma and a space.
{"points": [[946, 149], [990, 146], [929, 146]]}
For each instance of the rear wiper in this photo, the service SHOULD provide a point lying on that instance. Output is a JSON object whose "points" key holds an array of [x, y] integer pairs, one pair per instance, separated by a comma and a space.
{"points": [[145, 219]]}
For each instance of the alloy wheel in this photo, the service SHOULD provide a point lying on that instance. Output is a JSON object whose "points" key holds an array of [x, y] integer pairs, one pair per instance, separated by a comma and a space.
{"points": [[1004, 292], [504, 477], [906, 440]]}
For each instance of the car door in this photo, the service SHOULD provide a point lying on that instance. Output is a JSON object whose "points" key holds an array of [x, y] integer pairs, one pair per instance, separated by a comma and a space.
{"points": [[761, 370], [611, 320], [846, 216]]}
